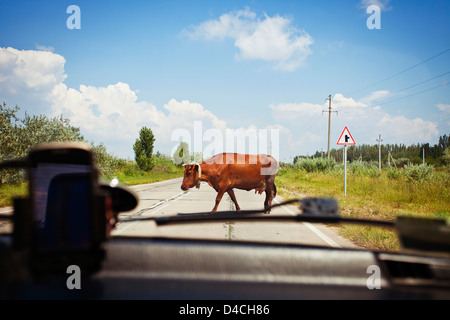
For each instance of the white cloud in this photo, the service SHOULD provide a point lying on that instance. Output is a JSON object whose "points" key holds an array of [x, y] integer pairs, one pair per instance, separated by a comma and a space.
{"points": [[272, 39], [408, 130], [339, 101], [383, 4], [375, 96], [184, 113], [305, 129], [114, 115], [443, 107], [229, 25], [111, 114], [292, 112], [30, 70], [292, 143], [44, 48]]}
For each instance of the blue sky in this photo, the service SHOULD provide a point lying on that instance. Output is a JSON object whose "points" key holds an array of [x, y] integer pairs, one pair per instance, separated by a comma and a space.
{"points": [[231, 64]]}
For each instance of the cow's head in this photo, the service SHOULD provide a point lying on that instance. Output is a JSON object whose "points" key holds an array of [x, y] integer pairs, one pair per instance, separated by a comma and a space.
{"points": [[192, 174]]}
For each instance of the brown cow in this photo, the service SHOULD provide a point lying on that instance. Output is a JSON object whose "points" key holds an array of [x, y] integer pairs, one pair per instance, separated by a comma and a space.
{"points": [[226, 171]]}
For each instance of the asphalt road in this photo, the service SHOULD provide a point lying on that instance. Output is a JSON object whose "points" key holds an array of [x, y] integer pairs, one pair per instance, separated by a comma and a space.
{"points": [[167, 199]]}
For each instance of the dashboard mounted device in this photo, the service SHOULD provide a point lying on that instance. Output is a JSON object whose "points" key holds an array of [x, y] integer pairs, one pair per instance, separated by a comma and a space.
{"points": [[68, 214]]}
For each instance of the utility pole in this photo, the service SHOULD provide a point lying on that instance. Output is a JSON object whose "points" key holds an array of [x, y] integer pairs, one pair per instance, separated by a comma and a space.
{"points": [[379, 140], [329, 122], [423, 156]]}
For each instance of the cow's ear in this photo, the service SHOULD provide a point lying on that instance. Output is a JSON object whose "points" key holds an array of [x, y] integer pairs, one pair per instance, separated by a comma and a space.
{"points": [[199, 170]]}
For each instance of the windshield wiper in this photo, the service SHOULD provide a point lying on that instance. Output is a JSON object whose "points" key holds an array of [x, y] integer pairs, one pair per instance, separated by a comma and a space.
{"points": [[230, 215], [316, 210]]}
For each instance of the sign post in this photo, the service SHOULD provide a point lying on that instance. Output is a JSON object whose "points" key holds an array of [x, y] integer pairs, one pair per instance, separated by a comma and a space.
{"points": [[345, 170], [345, 139]]}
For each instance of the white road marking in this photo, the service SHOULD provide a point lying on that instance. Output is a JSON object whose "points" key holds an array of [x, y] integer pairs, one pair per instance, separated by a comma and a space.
{"points": [[155, 183], [7, 210], [319, 233]]}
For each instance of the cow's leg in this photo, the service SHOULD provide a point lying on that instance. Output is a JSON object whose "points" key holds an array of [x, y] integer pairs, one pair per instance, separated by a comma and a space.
{"points": [[271, 192], [218, 198], [268, 201], [233, 197]]}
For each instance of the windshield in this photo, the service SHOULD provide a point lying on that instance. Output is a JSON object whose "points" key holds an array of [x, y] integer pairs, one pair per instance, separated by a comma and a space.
{"points": [[344, 100], [165, 199]]}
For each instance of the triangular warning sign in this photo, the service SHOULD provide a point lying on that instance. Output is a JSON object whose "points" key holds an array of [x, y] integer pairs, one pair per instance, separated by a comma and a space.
{"points": [[346, 138]]}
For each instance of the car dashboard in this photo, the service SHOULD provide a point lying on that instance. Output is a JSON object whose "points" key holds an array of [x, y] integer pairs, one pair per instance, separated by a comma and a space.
{"points": [[195, 269]]}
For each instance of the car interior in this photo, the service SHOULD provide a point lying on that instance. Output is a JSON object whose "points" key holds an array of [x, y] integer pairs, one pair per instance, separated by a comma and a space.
{"points": [[81, 212]]}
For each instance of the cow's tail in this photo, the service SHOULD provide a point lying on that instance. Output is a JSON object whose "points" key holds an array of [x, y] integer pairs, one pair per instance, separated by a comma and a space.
{"points": [[274, 190]]}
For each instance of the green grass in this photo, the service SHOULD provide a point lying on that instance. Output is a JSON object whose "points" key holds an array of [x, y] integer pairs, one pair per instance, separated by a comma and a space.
{"points": [[373, 195], [128, 172], [147, 177], [165, 169], [8, 192]]}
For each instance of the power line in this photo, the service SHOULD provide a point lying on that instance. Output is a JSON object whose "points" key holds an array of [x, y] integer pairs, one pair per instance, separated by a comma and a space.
{"points": [[398, 73], [414, 85], [313, 121], [413, 94]]}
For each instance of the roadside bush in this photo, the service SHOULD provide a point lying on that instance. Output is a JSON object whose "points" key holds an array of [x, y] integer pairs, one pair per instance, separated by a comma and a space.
{"points": [[315, 165], [401, 162], [364, 168], [12, 176], [393, 173], [419, 173], [106, 163], [165, 163], [446, 156], [131, 170]]}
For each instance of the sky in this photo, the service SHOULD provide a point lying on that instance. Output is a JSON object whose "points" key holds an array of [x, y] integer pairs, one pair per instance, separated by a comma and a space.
{"points": [[215, 73]]}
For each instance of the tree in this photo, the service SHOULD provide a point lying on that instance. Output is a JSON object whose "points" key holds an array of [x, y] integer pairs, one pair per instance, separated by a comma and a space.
{"points": [[446, 156], [143, 149], [8, 132], [19, 135]]}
